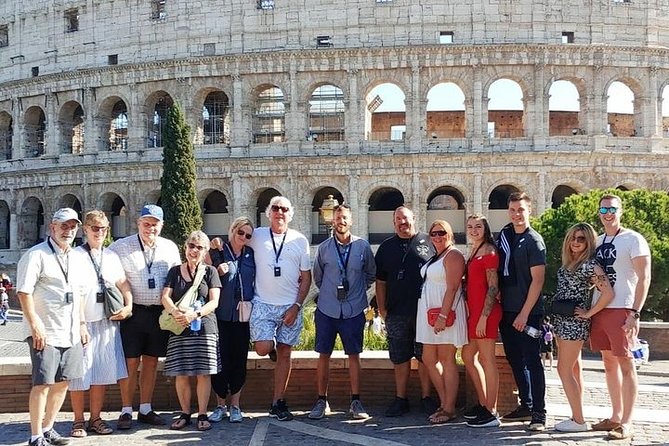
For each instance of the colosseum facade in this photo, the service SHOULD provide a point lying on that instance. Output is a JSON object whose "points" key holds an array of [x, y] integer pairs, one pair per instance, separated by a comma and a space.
{"points": [[281, 96]]}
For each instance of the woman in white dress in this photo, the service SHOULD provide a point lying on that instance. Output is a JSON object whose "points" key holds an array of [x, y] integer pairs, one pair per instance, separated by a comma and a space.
{"points": [[442, 290]]}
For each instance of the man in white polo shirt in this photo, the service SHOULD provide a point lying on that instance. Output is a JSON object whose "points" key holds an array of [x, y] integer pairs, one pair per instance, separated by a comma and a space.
{"points": [[283, 278], [53, 324]]}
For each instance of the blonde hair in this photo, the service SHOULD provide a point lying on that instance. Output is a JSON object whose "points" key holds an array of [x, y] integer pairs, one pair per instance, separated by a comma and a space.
{"points": [[568, 260], [237, 223]]}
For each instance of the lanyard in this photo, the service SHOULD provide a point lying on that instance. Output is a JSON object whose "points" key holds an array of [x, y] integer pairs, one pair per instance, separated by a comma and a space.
{"points": [[67, 259], [152, 252], [98, 268], [342, 258], [277, 254]]}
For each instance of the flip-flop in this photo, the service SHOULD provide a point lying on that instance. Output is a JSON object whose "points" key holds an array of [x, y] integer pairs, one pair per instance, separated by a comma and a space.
{"points": [[181, 422], [78, 429], [203, 423]]}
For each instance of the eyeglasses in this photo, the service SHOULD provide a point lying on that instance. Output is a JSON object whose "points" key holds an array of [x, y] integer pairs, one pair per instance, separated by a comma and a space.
{"points": [[610, 210], [245, 234], [438, 234], [99, 228], [283, 209], [578, 239], [194, 246]]}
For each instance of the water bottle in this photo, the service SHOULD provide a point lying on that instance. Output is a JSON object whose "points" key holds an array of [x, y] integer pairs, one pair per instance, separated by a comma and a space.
{"points": [[532, 332], [196, 324]]}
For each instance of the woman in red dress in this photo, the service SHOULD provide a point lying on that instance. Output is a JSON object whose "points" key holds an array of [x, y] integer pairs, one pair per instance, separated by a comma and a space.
{"points": [[485, 313]]}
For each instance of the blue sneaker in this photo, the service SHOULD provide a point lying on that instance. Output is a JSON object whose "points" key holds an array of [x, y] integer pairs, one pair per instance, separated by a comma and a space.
{"points": [[218, 414], [236, 415]]}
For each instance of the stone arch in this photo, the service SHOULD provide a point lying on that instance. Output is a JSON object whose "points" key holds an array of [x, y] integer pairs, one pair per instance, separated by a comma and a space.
{"points": [[215, 212], [114, 206], [326, 113], [382, 203], [320, 229], [31, 223], [71, 124], [448, 203], [6, 134], [113, 121], [269, 114], [155, 107], [385, 121], [34, 130], [5, 214]]}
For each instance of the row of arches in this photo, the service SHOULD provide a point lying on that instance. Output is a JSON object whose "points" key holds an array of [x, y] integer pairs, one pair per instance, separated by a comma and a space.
{"points": [[446, 202], [446, 115]]}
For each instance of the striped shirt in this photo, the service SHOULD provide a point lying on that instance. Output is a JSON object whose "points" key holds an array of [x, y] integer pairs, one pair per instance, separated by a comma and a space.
{"points": [[136, 265]]}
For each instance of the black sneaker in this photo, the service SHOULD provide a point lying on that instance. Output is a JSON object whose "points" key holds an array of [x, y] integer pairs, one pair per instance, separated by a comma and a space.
{"points": [[428, 406], [538, 422], [520, 413], [473, 412], [399, 407], [53, 437], [280, 411], [484, 419]]}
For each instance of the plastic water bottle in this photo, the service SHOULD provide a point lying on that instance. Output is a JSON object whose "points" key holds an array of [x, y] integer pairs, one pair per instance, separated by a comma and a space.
{"points": [[196, 324], [532, 332]]}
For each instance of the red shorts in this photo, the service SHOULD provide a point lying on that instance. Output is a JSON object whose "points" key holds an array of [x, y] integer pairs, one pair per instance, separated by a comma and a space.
{"points": [[607, 333]]}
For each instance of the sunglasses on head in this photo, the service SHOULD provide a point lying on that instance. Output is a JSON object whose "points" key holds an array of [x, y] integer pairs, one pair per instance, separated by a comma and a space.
{"points": [[245, 234], [438, 234], [610, 210], [194, 246], [283, 209]]}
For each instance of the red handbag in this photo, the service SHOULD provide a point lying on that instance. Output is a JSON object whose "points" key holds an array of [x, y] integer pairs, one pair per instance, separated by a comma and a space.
{"points": [[433, 315]]}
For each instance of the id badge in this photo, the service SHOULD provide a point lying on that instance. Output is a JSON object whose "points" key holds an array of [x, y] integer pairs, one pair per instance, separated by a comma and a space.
{"points": [[277, 271], [152, 283]]}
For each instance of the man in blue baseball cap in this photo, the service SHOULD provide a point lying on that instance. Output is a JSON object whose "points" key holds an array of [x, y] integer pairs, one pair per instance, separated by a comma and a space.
{"points": [[146, 258]]}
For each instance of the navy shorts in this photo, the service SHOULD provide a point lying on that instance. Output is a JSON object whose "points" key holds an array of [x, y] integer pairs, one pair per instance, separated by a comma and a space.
{"points": [[349, 330], [401, 335], [141, 334]]}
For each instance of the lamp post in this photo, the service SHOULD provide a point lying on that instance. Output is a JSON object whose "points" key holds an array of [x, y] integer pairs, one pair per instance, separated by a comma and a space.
{"points": [[327, 211]]}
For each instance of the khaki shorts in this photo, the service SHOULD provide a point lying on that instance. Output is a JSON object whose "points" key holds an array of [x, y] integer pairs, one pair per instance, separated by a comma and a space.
{"points": [[607, 333]]}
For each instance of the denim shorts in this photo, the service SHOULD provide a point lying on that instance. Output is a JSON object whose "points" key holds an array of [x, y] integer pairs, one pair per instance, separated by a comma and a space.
{"points": [[349, 330], [266, 324], [401, 334]]}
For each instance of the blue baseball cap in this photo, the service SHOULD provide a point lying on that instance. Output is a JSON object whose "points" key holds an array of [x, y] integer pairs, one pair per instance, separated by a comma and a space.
{"points": [[151, 210]]}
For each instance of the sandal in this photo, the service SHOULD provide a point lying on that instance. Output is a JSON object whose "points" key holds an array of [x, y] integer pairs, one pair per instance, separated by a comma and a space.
{"points": [[441, 416], [99, 427], [78, 429], [203, 422], [181, 422]]}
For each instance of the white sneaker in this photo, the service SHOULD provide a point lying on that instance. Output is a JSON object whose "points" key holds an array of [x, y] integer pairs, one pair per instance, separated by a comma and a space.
{"points": [[571, 426]]}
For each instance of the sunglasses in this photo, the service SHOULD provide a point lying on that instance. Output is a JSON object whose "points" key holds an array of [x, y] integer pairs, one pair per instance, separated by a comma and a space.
{"points": [[99, 228], [610, 210], [245, 234], [194, 246], [283, 209], [438, 234], [578, 239]]}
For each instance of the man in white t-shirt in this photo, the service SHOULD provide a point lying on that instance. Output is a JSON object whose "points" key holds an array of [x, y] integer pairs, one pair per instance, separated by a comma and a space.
{"points": [[624, 256], [283, 278]]}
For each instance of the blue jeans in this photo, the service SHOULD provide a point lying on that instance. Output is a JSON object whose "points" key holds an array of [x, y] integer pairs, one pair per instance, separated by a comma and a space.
{"points": [[524, 355]]}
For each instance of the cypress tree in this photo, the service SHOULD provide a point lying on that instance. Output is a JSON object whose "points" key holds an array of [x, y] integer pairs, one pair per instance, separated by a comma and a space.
{"points": [[178, 193]]}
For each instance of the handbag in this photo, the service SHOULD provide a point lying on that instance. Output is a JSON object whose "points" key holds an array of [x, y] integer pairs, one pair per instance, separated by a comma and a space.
{"points": [[113, 300], [166, 320], [561, 307], [433, 314], [112, 297]]}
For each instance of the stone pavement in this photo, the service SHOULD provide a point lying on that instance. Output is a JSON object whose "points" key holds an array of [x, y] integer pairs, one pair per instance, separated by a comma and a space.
{"points": [[651, 425]]}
